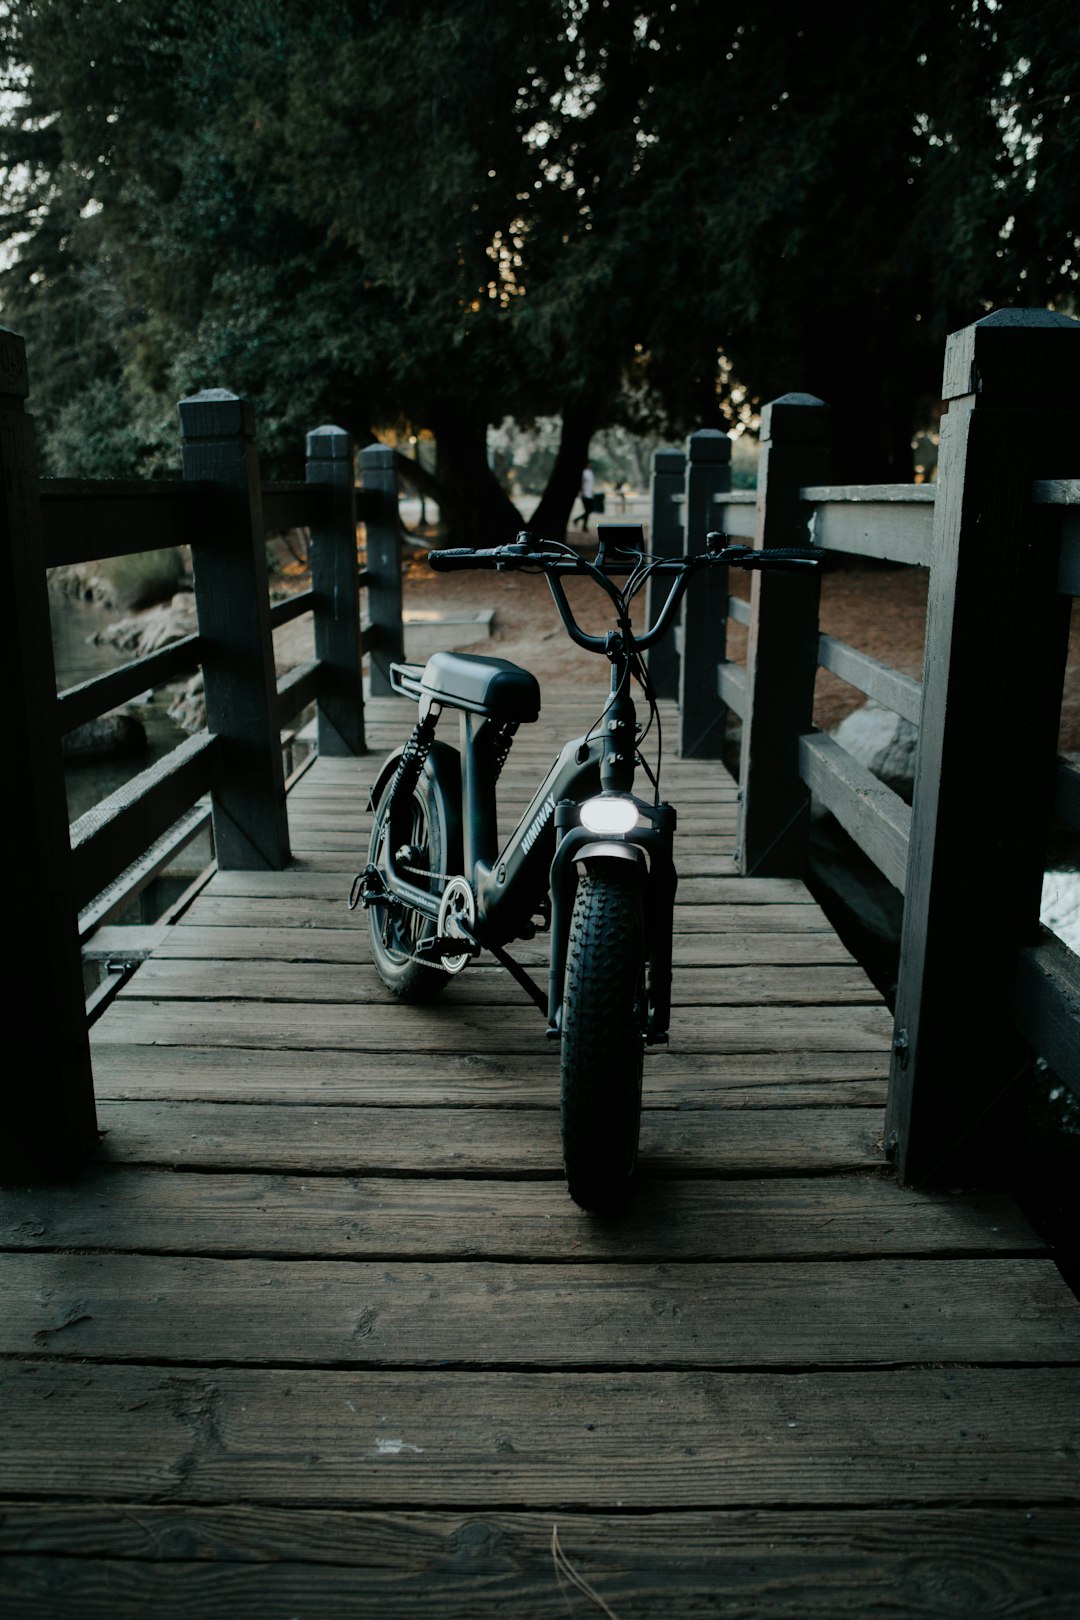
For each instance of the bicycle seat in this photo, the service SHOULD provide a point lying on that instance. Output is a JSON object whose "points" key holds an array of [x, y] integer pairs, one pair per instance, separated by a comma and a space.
{"points": [[489, 686]]}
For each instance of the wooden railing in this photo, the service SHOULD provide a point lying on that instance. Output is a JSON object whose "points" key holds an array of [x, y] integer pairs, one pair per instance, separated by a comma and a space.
{"points": [[982, 989], [63, 882]]}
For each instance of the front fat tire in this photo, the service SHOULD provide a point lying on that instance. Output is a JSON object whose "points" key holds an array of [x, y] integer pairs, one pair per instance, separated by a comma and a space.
{"points": [[603, 1041], [395, 934]]}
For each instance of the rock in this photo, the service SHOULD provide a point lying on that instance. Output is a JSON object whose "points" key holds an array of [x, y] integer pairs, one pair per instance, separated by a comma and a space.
{"points": [[145, 632], [188, 710], [112, 736], [884, 743]]}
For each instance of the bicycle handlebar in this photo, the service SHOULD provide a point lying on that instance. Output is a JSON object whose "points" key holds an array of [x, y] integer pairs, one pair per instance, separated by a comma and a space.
{"points": [[445, 562], [528, 554], [559, 561]]}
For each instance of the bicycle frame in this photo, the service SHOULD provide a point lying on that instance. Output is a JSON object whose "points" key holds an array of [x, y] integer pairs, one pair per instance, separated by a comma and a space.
{"points": [[506, 895], [540, 857]]}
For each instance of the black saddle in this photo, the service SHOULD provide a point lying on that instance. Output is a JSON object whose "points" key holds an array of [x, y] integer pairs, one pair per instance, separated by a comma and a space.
{"points": [[488, 686]]}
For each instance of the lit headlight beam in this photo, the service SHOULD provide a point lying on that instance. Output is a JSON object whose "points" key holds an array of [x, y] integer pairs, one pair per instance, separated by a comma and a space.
{"points": [[609, 814]]}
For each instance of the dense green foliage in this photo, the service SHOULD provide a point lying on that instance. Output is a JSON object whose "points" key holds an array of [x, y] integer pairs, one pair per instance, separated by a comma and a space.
{"points": [[438, 214]]}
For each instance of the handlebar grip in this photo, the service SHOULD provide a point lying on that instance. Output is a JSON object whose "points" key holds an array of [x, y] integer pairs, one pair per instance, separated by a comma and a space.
{"points": [[454, 557], [791, 557]]}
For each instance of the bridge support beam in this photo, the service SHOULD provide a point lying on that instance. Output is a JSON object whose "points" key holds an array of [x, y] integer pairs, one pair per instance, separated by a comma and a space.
{"points": [[703, 624], [386, 638], [665, 540], [996, 641], [232, 599], [47, 1117], [334, 579], [782, 646]]}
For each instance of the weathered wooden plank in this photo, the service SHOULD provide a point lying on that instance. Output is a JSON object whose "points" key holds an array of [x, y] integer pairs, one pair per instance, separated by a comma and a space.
{"points": [[108, 838], [473, 1079], [49, 1094], [665, 540], [1067, 793], [380, 1027], [292, 607], [299, 688], [992, 546], [123, 1307], [266, 1562], [84, 519], [782, 645], [731, 687], [291, 506], [300, 882], [385, 642], [717, 835], [886, 686], [78, 704], [171, 978], [1068, 575], [335, 586], [330, 829], [1048, 1006], [630, 1441], [702, 620], [348, 943], [693, 859], [228, 557], [530, 1221], [876, 818], [303, 1139], [282, 912], [890, 521]]}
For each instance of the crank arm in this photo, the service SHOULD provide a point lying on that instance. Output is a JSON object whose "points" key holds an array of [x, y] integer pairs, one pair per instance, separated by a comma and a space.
{"points": [[440, 945]]}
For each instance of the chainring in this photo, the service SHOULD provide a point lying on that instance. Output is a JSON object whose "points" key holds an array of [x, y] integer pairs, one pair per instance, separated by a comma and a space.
{"points": [[458, 906]]}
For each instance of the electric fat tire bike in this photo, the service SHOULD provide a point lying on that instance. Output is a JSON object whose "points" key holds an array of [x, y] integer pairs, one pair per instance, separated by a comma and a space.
{"points": [[589, 862]]}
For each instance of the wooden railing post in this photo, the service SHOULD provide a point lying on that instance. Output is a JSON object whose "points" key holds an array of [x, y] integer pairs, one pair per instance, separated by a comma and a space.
{"points": [[781, 650], [232, 600], [334, 577], [665, 540], [387, 638], [996, 641], [47, 1118], [702, 717]]}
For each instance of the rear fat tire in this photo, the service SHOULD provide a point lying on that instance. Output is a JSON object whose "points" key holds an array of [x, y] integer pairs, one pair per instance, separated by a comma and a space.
{"points": [[603, 1040], [395, 933]]}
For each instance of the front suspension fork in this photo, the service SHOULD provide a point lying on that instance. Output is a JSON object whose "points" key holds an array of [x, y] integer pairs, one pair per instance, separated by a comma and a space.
{"points": [[652, 847]]}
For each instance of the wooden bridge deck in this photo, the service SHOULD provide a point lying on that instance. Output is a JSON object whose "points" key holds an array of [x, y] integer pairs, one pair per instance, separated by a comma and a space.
{"points": [[323, 1334]]}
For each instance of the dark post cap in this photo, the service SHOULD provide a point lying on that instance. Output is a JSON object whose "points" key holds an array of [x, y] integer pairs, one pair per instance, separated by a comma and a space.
{"points": [[669, 461], [708, 444], [216, 414], [328, 443], [14, 379], [795, 419], [1014, 356], [377, 456]]}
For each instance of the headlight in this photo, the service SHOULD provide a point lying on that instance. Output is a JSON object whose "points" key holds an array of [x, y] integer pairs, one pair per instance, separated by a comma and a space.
{"points": [[609, 814]]}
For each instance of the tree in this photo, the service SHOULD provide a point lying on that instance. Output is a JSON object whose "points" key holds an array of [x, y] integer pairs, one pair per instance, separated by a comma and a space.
{"points": [[440, 214]]}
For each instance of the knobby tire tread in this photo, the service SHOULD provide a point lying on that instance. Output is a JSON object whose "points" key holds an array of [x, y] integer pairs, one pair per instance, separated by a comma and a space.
{"points": [[602, 1036]]}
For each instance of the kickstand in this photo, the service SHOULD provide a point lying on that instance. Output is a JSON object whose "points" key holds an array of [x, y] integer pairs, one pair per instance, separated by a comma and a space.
{"points": [[516, 971]]}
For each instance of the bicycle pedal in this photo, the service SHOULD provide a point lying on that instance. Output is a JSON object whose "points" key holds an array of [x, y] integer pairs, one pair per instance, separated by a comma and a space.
{"points": [[440, 945]]}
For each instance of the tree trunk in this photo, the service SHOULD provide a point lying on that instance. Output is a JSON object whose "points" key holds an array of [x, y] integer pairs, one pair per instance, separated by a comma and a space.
{"points": [[475, 509], [855, 365], [552, 517]]}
